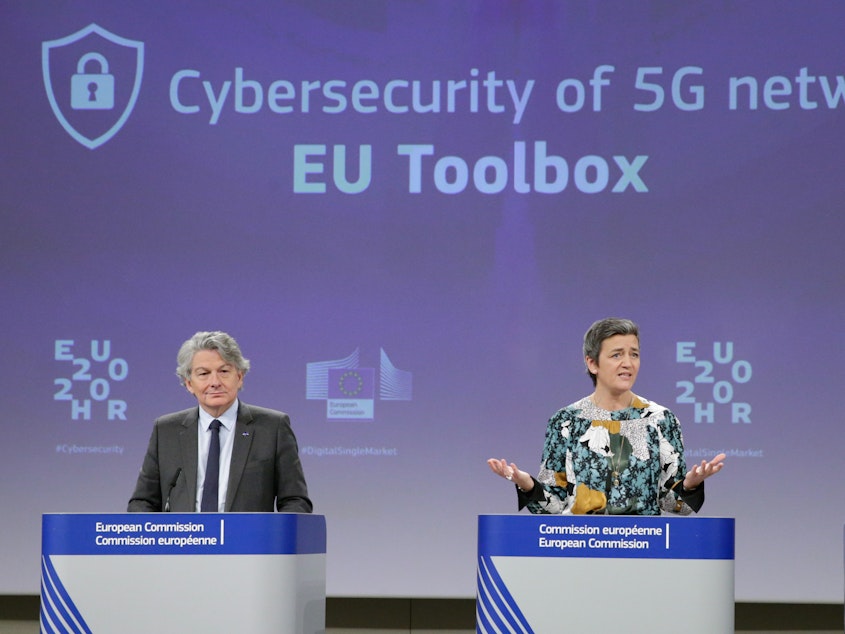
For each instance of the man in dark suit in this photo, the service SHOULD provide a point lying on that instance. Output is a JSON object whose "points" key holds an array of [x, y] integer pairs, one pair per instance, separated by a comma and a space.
{"points": [[223, 455]]}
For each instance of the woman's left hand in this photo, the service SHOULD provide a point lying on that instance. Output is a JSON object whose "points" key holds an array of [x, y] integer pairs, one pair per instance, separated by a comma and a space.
{"points": [[700, 472]]}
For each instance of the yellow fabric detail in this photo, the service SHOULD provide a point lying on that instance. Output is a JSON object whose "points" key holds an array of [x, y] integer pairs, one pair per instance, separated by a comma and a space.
{"points": [[612, 426], [560, 479], [587, 499]]}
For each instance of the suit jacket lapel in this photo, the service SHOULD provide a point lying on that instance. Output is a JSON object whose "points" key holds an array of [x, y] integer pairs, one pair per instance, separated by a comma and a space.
{"points": [[240, 452], [188, 448]]}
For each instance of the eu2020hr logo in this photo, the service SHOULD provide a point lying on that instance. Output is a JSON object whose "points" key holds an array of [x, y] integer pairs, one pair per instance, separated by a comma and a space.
{"points": [[92, 78]]}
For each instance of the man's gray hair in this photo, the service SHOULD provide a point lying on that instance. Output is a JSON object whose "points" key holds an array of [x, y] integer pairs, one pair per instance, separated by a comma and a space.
{"points": [[223, 343]]}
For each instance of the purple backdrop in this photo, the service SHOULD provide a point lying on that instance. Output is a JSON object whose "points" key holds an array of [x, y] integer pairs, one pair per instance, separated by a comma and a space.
{"points": [[408, 214]]}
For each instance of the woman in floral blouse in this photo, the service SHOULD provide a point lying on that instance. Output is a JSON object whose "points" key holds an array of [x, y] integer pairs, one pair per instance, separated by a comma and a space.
{"points": [[612, 451]]}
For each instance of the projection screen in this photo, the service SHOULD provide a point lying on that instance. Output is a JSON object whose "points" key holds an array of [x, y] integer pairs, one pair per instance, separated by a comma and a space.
{"points": [[408, 214]]}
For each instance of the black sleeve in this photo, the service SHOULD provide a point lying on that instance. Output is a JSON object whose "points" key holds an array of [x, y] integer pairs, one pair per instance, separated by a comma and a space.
{"points": [[694, 498], [534, 495]]}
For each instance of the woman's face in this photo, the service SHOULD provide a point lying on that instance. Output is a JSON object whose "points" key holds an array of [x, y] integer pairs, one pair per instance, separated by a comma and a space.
{"points": [[618, 364]]}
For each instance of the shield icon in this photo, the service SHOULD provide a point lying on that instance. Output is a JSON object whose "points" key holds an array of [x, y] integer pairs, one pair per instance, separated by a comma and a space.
{"points": [[92, 78]]}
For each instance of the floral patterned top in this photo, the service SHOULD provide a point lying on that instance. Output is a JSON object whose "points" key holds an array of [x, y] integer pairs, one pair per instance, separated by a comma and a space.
{"points": [[629, 461]]}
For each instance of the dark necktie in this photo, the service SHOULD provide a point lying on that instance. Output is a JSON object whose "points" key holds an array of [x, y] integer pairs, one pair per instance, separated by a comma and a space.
{"points": [[212, 470]]}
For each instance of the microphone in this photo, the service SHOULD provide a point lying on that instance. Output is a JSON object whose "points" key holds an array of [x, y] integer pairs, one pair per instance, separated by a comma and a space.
{"points": [[170, 489]]}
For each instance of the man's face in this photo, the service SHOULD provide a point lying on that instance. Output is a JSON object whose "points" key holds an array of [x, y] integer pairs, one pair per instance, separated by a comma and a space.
{"points": [[214, 382]]}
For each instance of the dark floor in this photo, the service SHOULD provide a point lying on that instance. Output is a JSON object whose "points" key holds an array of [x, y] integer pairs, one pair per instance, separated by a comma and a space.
{"points": [[19, 615]]}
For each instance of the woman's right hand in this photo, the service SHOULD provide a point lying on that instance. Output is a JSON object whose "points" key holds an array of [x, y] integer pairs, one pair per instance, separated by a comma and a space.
{"points": [[511, 472]]}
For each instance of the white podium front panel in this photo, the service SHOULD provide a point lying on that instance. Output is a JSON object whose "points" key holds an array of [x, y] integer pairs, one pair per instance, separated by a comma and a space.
{"points": [[188, 572], [539, 574]]}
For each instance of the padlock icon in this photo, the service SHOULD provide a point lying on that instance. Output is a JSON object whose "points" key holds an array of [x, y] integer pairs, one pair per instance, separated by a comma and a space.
{"points": [[92, 91]]}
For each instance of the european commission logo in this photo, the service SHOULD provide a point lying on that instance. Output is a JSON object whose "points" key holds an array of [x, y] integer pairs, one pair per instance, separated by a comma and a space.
{"points": [[92, 78], [350, 390]]}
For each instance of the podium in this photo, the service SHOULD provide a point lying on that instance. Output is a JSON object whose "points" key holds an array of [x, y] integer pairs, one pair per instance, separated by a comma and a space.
{"points": [[183, 572], [601, 573]]}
